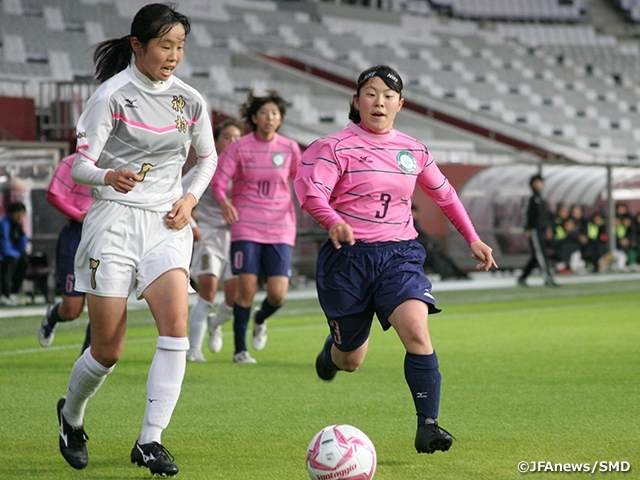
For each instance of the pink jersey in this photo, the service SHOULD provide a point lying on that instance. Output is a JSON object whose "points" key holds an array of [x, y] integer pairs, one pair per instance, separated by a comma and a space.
{"points": [[367, 180], [65, 195], [260, 172]]}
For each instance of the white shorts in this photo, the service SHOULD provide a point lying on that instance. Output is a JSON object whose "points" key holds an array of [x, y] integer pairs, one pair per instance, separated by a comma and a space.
{"points": [[125, 248], [211, 253]]}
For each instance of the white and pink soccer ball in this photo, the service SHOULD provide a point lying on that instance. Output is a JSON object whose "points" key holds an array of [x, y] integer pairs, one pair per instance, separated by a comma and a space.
{"points": [[341, 452]]}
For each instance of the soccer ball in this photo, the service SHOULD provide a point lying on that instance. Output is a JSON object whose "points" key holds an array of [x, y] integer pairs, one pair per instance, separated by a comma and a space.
{"points": [[341, 452]]}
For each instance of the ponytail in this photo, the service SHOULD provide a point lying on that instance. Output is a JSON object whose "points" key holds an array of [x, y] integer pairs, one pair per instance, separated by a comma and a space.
{"points": [[112, 56], [151, 21]]}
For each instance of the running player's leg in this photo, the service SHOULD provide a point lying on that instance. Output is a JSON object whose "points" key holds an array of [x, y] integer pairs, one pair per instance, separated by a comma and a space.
{"points": [[209, 258], [247, 287], [207, 286], [108, 316]]}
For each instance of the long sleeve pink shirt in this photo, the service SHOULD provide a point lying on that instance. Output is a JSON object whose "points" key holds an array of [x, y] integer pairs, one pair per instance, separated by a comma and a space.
{"points": [[71, 199], [260, 172], [367, 180]]}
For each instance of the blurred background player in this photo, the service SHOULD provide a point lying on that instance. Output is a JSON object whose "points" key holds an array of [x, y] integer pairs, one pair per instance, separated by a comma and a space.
{"points": [[210, 260], [73, 201], [358, 184], [261, 213]]}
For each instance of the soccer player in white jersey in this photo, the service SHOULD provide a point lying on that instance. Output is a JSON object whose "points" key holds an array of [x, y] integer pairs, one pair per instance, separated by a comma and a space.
{"points": [[261, 213], [358, 184], [133, 139], [210, 260]]}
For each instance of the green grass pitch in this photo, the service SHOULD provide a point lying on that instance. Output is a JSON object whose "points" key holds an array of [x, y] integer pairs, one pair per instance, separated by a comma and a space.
{"points": [[528, 375]]}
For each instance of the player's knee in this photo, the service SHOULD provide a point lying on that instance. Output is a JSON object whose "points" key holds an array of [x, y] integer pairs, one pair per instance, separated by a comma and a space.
{"points": [[350, 365]]}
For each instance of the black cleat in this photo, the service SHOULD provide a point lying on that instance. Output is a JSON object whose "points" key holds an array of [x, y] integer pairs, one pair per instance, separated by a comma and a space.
{"points": [[323, 371], [522, 282], [155, 457], [73, 441], [431, 437]]}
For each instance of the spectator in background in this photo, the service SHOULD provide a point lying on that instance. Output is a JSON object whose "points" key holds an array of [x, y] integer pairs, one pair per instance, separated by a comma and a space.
{"points": [[13, 246], [568, 249], [538, 231], [562, 213], [596, 249]]}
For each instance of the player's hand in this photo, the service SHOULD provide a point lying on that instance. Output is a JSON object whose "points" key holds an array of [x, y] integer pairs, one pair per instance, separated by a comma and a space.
{"points": [[229, 212], [341, 233], [180, 213], [122, 181], [483, 253]]}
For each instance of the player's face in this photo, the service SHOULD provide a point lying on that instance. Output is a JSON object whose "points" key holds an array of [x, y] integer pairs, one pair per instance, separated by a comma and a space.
{"points": [[267, 120], [158, 60], [378, 105], [227, 137]]}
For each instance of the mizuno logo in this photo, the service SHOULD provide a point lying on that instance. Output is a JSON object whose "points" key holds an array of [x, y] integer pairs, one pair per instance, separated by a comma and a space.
{"points": [[62, 434], [147, 458], [130, 103]]}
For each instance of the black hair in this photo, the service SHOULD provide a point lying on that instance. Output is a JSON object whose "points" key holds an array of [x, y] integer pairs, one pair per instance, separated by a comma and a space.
{"points": [[16, 207], [388, 75], [222, 126], [151, 21], [535, 178], [252, 104]]}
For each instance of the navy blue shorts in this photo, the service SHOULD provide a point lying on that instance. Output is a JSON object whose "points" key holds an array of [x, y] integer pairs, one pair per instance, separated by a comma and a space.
{"points": [[356, 282], [262, 259], [68, 241]]}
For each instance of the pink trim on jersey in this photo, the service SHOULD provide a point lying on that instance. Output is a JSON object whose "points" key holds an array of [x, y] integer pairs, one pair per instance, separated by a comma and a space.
{"points": [[260, 172], [368, 180], [144, 126], [64, 194], [81, 151]]}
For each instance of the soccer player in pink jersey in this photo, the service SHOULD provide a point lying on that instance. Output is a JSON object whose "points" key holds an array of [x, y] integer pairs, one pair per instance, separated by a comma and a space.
{"points": [[73, 201], [261, 213], [358, 183]]}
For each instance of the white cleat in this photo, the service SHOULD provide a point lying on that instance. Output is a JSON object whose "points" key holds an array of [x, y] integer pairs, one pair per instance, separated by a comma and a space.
{"points": [[243, 357], [259, 337], [195, 356]]}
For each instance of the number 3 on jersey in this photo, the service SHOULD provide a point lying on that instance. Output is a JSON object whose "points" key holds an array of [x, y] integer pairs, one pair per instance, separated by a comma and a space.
{"points": [[385, 198]]}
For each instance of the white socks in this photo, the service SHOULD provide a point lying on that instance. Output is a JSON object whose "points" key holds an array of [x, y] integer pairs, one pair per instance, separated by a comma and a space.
{"points": [[198, 324], [86, 377], [224, 313], [163, 386]]}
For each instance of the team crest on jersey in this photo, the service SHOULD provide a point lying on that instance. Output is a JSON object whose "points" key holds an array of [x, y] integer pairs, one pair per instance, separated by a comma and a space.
{"points": [[406, 161], [278, 159]]}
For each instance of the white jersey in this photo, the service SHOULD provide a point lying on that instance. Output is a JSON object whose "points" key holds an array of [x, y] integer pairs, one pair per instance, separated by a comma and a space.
{"points": [[133, 123]]}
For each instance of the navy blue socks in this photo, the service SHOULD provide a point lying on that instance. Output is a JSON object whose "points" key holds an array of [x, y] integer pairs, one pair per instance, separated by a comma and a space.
{"points": [[264, 312], [424, 379], [240, 325]]}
